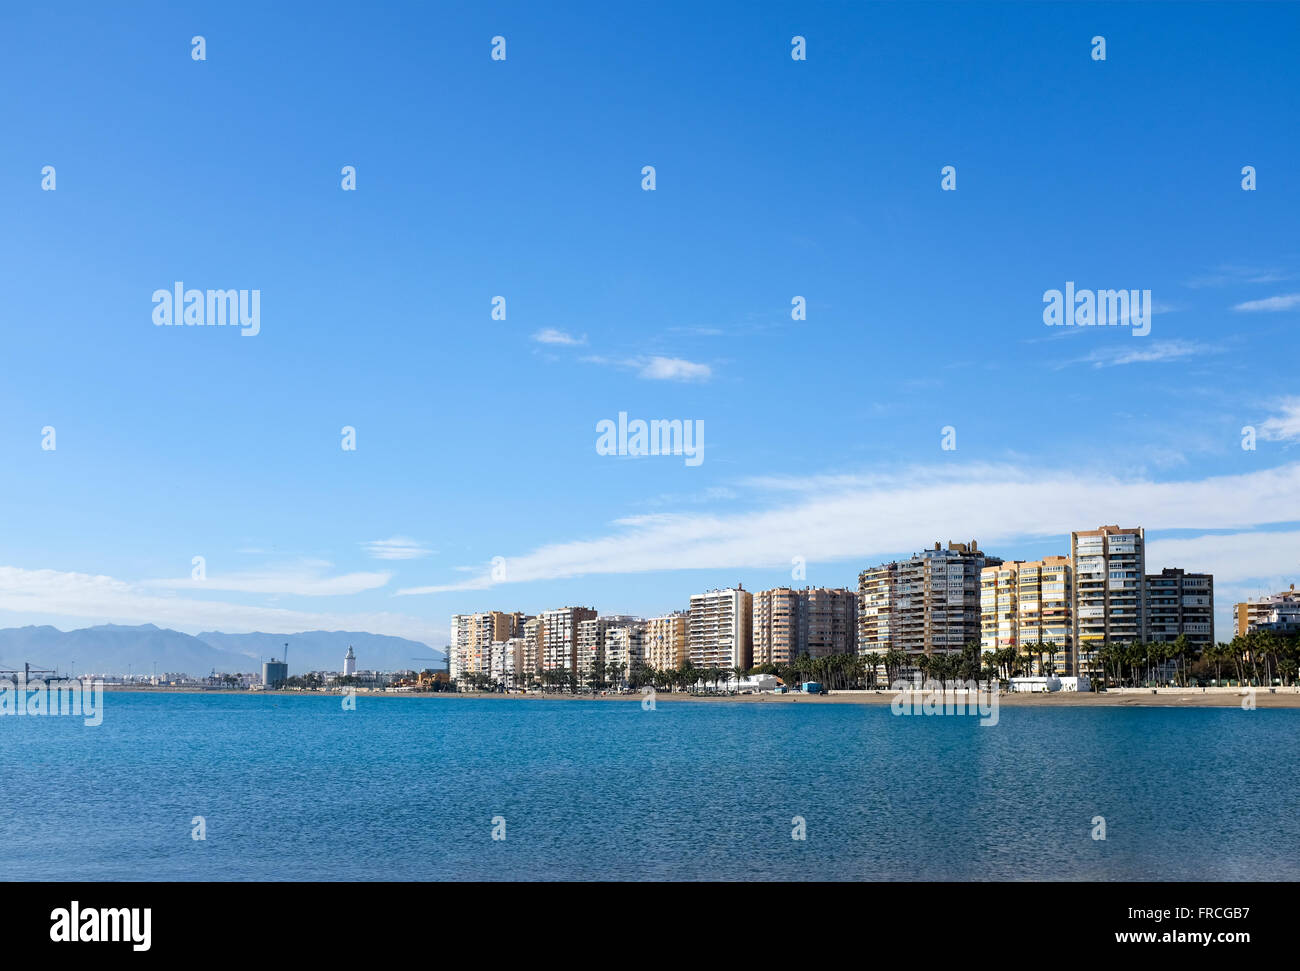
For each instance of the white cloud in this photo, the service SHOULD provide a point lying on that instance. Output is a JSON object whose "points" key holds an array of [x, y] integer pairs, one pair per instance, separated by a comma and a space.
{"points": [[846, 519], [675, 369], [306, 578], [658, 368], [1231, 557], [550, 335], [1283, 302], [396, 548], [105, 600], [1284, 427]]}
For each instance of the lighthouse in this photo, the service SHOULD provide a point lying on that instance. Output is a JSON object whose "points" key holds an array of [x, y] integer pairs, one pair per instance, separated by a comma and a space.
{"points": [[349, 663]]}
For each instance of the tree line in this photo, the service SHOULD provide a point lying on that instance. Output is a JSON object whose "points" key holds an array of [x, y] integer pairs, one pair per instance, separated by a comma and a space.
{"points": [[1258, 658]]}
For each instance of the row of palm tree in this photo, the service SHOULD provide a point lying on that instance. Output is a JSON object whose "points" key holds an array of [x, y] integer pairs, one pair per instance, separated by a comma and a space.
{"points": [[1257, 658]]}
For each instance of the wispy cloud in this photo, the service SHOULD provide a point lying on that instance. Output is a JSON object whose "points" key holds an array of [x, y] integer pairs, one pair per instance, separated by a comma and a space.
{"points": [[1283, 302], [1145, 353], [1236, 275], [698, 331], [711, 494], [656, 368], [847, 519], [396, 548], [305, 578], [1284, 427], [550, 335]]}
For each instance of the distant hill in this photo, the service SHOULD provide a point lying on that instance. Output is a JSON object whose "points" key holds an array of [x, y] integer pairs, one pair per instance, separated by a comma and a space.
{"points": [[113, 649], [323, 650]]}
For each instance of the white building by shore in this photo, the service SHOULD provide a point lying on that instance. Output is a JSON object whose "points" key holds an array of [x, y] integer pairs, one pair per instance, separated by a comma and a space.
{"points": [[1051, 683]]}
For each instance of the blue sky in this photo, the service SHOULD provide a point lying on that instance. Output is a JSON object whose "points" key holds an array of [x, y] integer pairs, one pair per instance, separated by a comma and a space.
{"points": [[522, 178]]}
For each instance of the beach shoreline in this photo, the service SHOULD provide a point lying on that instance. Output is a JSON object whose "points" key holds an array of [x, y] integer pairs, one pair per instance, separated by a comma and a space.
{"points": [[1288, 697]]}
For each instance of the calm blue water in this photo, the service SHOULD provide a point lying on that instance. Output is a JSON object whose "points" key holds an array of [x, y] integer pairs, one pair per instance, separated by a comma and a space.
{"points": [[295, 788]]}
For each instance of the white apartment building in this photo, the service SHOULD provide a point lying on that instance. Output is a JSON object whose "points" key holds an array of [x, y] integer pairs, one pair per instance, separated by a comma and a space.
{"points": [[558, 637], [719, 628], [591, 645], [507, 662], [625, 650], [532, 660]]}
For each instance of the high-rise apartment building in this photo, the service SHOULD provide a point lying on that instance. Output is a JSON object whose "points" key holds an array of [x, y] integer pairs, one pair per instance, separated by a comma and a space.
{"points": [[1109, 566], [624, 650], [458, 647], [665, 641], [472, 635], [591, 645], [1027, 602], [558, 637], [828, 621], [719, 628], [532, 659], [507, 665], [816, 621], [925, 604], [1180, 603], [776, 626]]}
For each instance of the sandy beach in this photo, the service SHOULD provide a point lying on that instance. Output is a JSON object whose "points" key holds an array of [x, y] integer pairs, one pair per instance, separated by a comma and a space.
{"points": [[1164, 698], [1115, 698]]}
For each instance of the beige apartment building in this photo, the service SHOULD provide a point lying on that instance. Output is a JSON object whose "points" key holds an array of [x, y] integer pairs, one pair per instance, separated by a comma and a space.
{"points": [[719, 628], [472, 636], [776, 626], [925, 604], [665, 641], [1109, 565], [816, 621], [1027, 602], [1180, 604]]}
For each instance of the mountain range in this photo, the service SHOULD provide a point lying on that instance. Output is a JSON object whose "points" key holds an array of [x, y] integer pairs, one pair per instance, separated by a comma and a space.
{"points": [[112, 649]]}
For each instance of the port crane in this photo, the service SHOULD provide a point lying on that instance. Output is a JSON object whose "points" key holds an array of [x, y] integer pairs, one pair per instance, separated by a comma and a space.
{"points": [[42, 674]]}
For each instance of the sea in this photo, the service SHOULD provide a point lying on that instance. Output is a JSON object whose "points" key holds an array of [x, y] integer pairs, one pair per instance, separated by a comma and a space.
{"points": [[297, 787]]}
